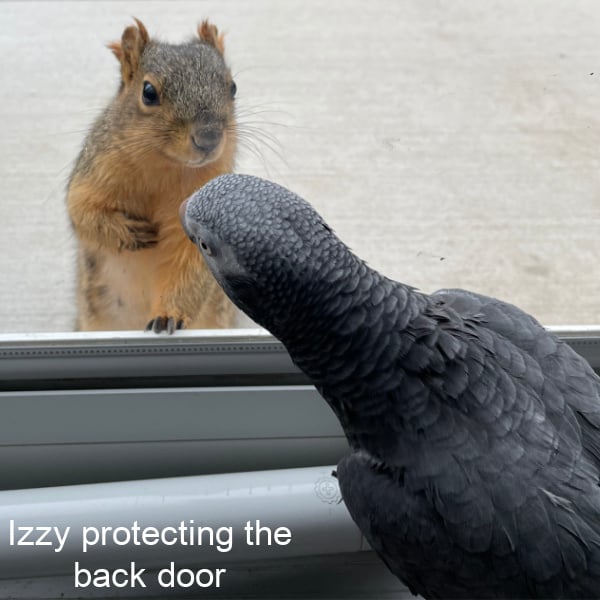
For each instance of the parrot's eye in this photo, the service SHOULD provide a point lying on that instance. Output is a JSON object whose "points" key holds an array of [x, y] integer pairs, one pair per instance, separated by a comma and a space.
{"points": [[205, 247]]}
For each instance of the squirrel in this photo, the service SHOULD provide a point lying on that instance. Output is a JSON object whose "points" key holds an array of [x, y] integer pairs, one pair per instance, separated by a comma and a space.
{"points": [[168, 131]]}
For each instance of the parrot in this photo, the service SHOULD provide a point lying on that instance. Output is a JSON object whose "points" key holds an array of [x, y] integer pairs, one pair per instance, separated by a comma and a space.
{"points": [[474, 433]]}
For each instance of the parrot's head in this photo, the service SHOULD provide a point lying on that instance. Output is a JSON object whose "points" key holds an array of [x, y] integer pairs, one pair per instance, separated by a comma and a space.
{"points": [[270, 251]]}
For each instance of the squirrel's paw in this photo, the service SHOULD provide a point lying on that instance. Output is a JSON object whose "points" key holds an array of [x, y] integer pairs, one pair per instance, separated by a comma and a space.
{"points": [[139, 233], [168, 324]]}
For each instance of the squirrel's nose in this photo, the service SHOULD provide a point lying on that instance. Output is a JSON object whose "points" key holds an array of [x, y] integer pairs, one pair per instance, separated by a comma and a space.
{"points": [[206, 140]]}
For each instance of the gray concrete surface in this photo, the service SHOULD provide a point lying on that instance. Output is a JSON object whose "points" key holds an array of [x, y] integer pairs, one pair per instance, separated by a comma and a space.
{"points": [[450, 144]]}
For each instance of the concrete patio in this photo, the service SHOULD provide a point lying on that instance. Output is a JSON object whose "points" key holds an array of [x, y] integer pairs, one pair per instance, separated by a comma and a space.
{"points": [[451, 145]]}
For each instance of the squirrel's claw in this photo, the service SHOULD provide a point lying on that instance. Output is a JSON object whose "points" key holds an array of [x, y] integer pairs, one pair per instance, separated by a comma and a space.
{"points": [[168, 324], [141, 233]]}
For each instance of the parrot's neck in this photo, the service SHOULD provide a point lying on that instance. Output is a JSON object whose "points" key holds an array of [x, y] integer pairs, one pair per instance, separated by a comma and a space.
{"points": [[348, 339]]}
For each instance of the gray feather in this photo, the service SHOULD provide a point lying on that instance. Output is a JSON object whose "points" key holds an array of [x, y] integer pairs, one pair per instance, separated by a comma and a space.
{"points": [[475, 433]]}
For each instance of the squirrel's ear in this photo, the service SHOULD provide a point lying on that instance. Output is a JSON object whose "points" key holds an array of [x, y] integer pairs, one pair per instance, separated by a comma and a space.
{"points": [[130, 48], [210, 34]]}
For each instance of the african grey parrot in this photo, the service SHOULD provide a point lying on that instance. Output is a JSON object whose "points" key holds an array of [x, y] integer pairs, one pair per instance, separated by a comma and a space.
{"points": [[475, 433]]}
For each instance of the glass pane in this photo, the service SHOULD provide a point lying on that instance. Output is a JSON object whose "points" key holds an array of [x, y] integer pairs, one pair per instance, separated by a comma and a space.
{"points": [[448, 152]]}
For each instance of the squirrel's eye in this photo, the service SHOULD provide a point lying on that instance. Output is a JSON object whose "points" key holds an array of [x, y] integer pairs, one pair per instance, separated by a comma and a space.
{"points": [[150, 95], [233, 89]]}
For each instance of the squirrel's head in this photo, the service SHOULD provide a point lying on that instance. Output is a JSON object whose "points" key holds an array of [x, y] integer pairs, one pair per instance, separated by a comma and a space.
{"points": [[178, 98]]}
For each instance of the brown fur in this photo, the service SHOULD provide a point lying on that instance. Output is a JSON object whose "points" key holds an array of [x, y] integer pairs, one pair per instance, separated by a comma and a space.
{"points": [[210, 34], [137, 165]]}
